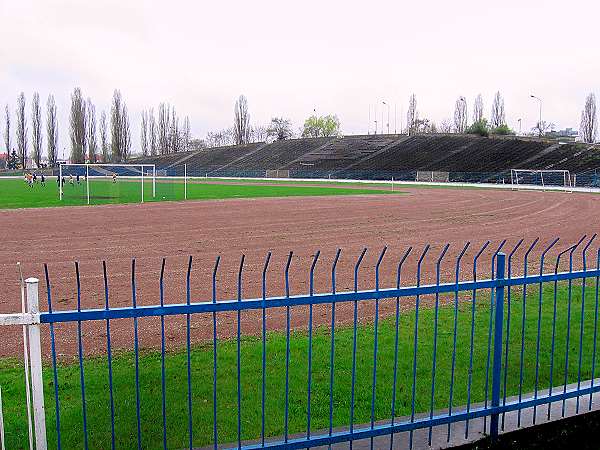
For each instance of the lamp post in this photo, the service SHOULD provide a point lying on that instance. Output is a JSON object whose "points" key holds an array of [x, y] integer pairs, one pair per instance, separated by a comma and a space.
{"points": [[463, 123], [375, 114], [519, 127], [388, 117], [540, 122]]}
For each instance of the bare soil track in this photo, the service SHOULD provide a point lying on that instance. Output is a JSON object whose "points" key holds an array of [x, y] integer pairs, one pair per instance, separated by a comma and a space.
{"points": [[230, 228]]}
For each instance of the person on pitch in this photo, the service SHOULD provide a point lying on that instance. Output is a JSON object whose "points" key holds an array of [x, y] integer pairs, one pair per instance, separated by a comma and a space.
{"points": [[42, 179]]}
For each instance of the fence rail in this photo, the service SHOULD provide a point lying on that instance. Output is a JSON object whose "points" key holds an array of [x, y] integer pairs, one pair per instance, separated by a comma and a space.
{"points": [[466, 350]]}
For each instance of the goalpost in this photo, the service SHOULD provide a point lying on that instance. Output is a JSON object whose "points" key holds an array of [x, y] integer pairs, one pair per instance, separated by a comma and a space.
{"points": [[543, 178], [107, 172]]}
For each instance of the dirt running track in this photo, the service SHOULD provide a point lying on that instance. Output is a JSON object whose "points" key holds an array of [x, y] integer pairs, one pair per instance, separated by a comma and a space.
{"points": [[205, 229]]}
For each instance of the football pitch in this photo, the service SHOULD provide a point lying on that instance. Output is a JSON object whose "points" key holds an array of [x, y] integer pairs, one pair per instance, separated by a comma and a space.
{"points": [[15, 193]]}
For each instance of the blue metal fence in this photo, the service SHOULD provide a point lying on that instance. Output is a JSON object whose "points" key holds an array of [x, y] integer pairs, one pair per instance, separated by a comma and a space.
{"points": [[457, 295]]}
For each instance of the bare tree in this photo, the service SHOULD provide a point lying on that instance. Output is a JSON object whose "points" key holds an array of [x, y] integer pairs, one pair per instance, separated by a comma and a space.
{"points": [[36, 130], [92, 143], [186, 134], [164, 122], [460, 115], [117, 144], [219, 138], [412, 115], [445, 126], [7, 132], [51, 131], [152, 138], [174, 135], [125, 134], [588, 129], [259, 133], [478, 109], [21, 130], [280, 129], [144, 133], [78, 129], [104, 137], [241, 122], [498, 117]]}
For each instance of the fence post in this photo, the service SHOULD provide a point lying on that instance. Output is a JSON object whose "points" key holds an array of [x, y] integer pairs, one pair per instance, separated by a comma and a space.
{"points": [[35, 356], [498, 327]]}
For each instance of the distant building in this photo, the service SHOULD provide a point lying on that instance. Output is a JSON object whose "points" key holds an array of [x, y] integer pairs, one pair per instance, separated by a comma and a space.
{"points": [[566, 135]]}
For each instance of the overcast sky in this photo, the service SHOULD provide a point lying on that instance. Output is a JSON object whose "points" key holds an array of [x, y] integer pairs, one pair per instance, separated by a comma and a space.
{"points": [[289, 58]]}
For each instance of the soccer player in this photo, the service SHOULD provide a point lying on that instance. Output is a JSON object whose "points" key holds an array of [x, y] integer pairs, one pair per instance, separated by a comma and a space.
{"points": [[114, 177], [78, 182], [71, 180], [42, 179]]}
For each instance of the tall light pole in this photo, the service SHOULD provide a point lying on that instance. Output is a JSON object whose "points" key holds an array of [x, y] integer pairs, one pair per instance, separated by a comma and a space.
{"points": [[388, 117], [519, 127], [369, 122], [540, 122], [375, 114], [395, 117]]}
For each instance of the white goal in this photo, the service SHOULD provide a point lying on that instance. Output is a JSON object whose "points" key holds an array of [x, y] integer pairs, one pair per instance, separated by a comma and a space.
{"points": [[543, 178], [102, 181]]}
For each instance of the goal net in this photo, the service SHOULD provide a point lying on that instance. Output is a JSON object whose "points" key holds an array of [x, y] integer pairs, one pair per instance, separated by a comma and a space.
{"points": [[543, 178], [106, 183]]}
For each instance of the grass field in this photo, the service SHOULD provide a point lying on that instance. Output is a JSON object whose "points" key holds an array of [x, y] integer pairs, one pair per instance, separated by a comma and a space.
{"points": [[16, 194], [98, 412]]}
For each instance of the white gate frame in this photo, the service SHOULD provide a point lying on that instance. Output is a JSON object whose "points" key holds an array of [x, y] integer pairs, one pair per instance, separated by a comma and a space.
{"points": [[32, 351]]}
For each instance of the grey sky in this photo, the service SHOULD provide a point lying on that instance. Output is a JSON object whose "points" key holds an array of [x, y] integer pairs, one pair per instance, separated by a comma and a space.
{"points": [[291, 57]]}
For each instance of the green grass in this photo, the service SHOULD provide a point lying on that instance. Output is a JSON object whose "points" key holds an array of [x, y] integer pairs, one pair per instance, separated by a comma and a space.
{"points": [[16, 194], [11, 377]]}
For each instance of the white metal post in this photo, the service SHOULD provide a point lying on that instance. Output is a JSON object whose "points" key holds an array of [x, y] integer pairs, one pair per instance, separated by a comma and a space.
{"points": [[142, 184], [87, 182], [26, 360], [185, 181], [60, 192], [153, 181], [35, 355]]}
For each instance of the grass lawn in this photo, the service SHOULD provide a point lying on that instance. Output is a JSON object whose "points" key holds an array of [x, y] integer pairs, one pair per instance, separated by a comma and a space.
{"points": [[98, 412], [16, 194]]}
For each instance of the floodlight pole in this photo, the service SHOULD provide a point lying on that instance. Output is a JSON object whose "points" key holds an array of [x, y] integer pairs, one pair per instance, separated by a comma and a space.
{"points": [[87, 182]]}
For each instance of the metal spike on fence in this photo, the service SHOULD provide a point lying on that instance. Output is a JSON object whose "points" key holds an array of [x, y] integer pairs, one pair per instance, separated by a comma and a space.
{"points": [[239, 350], [264, 347], [214, 318], [456, 280], [310, 335], [162, 354], [471, 348], [415, 346], [354, 336], [287, 349], [435, 329], [398, 282], [189, 350], [508, 317], [595, 332], [332, 343]]}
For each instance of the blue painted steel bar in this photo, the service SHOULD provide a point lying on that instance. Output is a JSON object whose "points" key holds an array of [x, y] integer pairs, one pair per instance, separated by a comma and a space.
{"points": [[282, 301], [136, 351], [310, 336], [553, 340], [523, 316], [264, 348], [443, 419], [188, 297], [355, 317], [595, 329], [54, 368], [490, 324], [375, 341], [582, 318], [80, 353], [498, 327], [456, 280], [539, 323], [163, 386], [109, 360], [214, 318], [569, 300], [332, 357], [435, 333], [398, 282], [287, 348], [508, 316], [471, 347], [415, 346], [239, 356]]}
